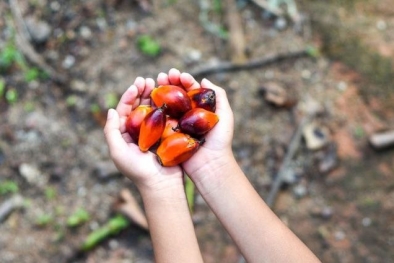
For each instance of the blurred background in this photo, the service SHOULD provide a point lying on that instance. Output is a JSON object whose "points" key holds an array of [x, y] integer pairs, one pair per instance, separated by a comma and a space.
{"points": [[310, 83]]}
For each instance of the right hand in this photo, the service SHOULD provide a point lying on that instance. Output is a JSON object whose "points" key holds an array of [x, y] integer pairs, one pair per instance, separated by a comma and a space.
{"points": [[216, 151]]}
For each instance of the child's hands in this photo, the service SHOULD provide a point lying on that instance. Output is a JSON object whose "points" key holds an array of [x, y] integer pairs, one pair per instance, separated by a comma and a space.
{"points": [[142, 168], [216, 151]]}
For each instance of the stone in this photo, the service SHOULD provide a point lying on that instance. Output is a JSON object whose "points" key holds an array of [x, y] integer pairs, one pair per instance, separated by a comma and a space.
{"points": [[39, 30], [316, 136], [33, 175], [105, 170]]}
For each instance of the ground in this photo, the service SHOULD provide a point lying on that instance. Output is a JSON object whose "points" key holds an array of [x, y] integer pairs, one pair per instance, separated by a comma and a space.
{"points": [[52, 145]]}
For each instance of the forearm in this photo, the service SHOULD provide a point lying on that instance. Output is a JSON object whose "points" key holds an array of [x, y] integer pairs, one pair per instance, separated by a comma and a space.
{"points": [[257, 231], [171, 227]]}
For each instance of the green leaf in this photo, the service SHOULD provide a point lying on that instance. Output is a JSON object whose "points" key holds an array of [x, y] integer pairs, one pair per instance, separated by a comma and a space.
{"points": [[190, 189], [8, 187], [32, 74], [79, 217], [111, 100], [112, 227], [11, 96], [2, 87], [44, 219], [148, 46]]}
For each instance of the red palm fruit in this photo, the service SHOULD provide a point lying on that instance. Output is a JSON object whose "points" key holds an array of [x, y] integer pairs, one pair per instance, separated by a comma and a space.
{"points": [[151, 128], [198, 122], [171, 127], [134, 120], [174, 97], [176, 149], [203, 98]]}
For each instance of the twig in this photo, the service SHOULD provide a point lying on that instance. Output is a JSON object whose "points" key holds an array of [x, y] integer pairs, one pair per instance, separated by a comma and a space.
{"points": [[266, 6], [236, 40], [10, 205], [255, 63], [22, 41], [294, 144]]}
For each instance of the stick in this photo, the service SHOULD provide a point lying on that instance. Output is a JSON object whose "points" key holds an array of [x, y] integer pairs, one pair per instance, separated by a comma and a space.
{"points": [[236, 41], [294, 144], [22, 41], [255, 63], [264, 5], [10, 205]]}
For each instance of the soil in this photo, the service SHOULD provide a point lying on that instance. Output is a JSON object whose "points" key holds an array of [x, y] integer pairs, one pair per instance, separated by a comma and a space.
{"points": [[52, 145]]}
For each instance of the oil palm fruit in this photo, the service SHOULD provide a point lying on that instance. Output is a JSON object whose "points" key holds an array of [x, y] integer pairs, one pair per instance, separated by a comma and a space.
{"points": [[174, 97], [171, 127], [203, 98], [197, 122], [176, 149], [152, 128], [134, 120]]}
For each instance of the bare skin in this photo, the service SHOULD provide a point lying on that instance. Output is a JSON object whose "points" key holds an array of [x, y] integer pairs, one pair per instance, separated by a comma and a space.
{"points": [[257, 231]]}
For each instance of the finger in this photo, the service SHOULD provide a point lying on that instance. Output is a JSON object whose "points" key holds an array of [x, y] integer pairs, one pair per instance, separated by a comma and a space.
{"points": [[223, 109], [162, 79], [113, 136], [174, 76], [188, 81], [149, 86], [140, 84], [127, 101]]}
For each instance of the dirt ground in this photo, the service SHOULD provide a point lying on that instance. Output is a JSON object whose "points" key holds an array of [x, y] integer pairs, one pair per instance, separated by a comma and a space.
{"points": [[339, 199]]}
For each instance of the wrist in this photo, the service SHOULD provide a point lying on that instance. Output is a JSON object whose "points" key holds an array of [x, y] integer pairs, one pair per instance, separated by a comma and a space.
{"points": [[165, 192], [215, 172]]}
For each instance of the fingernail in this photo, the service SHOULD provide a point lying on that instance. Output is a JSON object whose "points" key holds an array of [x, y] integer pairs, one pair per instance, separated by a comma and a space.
{"points": [[110, 114]]}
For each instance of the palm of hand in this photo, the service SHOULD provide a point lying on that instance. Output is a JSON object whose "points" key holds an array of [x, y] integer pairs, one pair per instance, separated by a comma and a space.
{"points": [[141, 167]]}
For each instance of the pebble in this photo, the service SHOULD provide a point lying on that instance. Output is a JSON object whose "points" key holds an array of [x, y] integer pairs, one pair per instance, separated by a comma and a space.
{"points": [[280, 23], [33, 175], [39, 30], [85, 32], [78, 85], [68, 62], [366, 221], [381, 25], [339, 235], [300, 190], [55, 6], [316, 137]]}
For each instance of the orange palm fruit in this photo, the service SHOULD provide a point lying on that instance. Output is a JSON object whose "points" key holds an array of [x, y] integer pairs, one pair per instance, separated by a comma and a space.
{"points": [[174, 97], [197, 122], [176, 149], [203, 98], [171, 127], [134, 120], [151, 128]]}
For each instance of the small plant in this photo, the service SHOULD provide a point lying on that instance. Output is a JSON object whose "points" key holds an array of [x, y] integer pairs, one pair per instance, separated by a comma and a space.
{"points": [[2, 87], [44, 220], [11, 96], [78, 218], [111, 100], [148, 46], [7, 187], [50, 193]]}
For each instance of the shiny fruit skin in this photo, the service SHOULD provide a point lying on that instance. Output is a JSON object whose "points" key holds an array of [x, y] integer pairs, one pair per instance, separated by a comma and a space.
{"points": [[177, 149], [203, 98], [197, 122], [134, 120], [174, 97], [171, 127], [152, 128]]}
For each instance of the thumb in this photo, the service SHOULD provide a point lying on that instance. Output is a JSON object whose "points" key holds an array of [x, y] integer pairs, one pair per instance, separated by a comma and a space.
{"points": [[112, 131]]}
